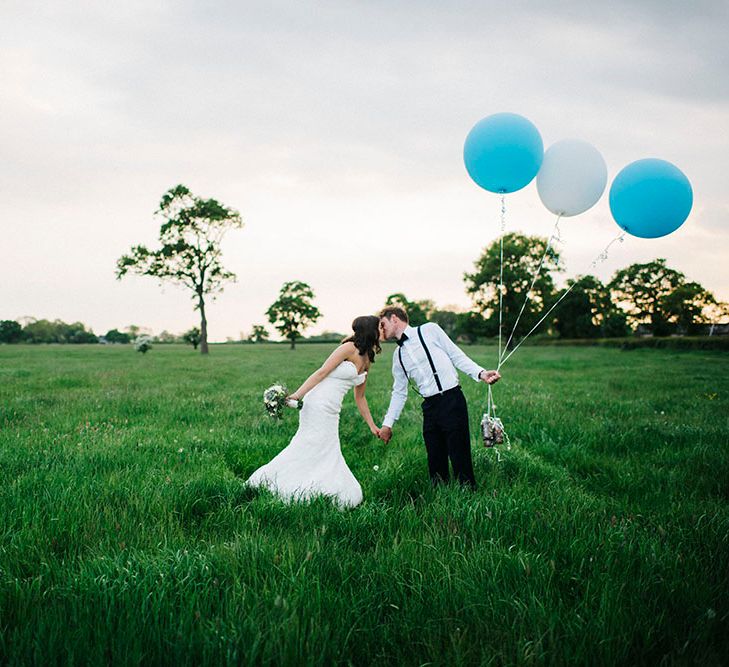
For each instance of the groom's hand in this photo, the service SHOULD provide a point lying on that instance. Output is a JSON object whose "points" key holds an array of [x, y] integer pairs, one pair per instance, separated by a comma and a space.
{"points": [[490, 377], [385, 434]]}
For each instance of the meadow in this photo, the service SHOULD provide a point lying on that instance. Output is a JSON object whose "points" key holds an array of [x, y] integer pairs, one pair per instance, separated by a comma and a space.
{"points": [[128, 536]]}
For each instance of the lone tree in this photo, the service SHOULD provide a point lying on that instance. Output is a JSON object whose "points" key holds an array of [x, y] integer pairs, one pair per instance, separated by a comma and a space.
{"points": [[293, 311], [190, 253], [259, 334]]}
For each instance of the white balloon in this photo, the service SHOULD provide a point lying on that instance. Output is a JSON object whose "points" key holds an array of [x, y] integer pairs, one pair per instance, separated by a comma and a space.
{"points": [[572, 177]]}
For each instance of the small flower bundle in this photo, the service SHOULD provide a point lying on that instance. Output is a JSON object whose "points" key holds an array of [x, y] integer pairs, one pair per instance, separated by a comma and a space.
{"points": [[493, 433], [275, 398]]}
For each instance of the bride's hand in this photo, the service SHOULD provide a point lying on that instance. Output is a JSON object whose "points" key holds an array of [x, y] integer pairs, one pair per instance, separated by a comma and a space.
{"points": [[375, 431]]}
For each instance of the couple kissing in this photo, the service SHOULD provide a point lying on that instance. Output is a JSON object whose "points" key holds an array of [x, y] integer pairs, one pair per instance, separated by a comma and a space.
{"points": [[312, 464]]}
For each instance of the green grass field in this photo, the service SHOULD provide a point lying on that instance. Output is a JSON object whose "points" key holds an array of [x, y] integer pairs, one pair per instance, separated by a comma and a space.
{"points": [[127, 534]]}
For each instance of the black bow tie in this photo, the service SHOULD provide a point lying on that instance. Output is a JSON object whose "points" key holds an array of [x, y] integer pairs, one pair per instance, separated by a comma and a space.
{"points": [[401, 340]]}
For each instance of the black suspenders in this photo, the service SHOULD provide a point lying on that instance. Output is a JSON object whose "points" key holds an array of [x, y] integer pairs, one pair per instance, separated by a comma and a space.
{"points": [[407, 377], [430, 361]]}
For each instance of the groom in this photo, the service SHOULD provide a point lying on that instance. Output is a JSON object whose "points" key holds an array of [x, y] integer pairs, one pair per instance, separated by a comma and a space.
{"points": [[428, 358]]}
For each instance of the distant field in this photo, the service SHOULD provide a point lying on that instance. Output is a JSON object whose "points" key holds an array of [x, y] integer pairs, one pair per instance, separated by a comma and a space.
{"points": [[128, 536]]}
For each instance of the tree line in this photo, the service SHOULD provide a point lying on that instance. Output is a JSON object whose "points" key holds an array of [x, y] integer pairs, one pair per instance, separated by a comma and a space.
{"points": [[648, 298], [58, 331], [645, 298]]}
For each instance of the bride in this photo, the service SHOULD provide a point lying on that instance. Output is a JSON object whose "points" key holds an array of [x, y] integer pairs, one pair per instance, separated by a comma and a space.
{"points": [[312, 464]]}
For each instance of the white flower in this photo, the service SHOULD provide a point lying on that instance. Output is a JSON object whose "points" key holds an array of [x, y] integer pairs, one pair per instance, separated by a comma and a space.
{"points": [[375, 468]]}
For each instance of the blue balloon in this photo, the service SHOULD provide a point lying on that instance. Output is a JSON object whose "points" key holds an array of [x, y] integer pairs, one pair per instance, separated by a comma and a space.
{"points": [[503, 152], [650, 198]]}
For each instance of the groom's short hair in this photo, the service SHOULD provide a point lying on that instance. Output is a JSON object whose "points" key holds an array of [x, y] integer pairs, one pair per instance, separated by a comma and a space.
{"points": [[389, 311]]}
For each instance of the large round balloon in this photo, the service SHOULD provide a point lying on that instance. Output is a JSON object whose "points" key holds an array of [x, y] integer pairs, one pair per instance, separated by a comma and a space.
{"points": [[650, 198], [503, 152], [572, 178]]}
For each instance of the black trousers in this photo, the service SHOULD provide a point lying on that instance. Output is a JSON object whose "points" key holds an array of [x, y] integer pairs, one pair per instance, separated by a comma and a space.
{"points": [[446, 435]]}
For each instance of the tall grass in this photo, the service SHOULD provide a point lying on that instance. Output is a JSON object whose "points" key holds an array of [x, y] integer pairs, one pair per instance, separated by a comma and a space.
{"points": [[127, 534]]}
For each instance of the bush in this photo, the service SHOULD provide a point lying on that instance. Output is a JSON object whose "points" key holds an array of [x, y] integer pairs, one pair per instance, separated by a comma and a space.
{"points": [[44, 331], [10, 331], [116, 336], [678, 343], [635, 343], [192, 337], [143, 344]]}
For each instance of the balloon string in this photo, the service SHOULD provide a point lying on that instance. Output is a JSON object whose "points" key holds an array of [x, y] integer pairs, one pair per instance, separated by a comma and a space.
{"points": [[553, 237], [501, 268], [599, 259], [490, 406]]}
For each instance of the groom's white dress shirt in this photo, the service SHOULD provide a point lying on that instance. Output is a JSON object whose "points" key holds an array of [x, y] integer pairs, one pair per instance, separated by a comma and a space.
{"points": [[446, 356]]}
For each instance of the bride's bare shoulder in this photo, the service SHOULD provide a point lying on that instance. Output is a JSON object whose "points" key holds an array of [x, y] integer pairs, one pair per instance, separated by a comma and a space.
{"points": [[348, 347], [351, 353]]}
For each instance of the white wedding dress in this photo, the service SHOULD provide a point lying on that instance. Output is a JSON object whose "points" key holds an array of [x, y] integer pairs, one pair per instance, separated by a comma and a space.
{"points": [[312, 464]]}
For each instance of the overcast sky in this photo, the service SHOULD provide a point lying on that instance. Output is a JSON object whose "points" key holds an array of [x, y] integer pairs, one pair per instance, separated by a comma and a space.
{"points": [[336, 129]]}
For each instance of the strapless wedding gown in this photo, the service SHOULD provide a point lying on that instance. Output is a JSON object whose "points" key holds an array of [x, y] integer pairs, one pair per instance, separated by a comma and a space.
{"points": [[312, 464]]}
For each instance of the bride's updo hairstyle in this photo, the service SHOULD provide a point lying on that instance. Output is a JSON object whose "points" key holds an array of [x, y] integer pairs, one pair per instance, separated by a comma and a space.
{"points": [[366, 336]]}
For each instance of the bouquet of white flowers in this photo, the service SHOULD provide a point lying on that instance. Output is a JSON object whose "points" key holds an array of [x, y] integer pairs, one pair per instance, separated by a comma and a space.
{"points": [[275, 398]]}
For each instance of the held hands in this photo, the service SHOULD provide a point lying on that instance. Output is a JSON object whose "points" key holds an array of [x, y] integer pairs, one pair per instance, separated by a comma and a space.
{"points": [[384, 433], [489, 377]]}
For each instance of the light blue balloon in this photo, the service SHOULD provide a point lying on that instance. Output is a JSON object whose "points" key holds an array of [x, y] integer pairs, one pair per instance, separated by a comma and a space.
{"points": [[650, 198], [503, 152]]}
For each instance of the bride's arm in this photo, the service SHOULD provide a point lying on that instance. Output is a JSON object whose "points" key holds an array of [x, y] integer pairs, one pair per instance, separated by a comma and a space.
{"points": [[335, 358], [364, 409]]}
